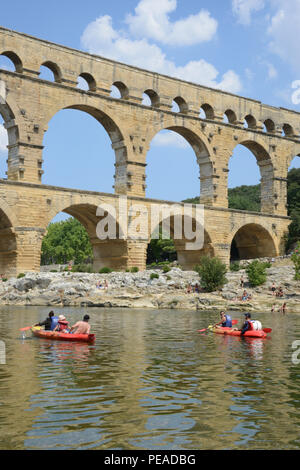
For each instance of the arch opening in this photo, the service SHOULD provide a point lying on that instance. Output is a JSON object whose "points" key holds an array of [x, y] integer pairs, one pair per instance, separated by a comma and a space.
{"points": [[168, 242], [119, 90], [250, 182], [73, 238], [207, 111], [51, 72], [8, 247], [11, 61], [81, 149], [86, 82], [252, 241], [230, 117], [180, 105], [172, 148], [150, 98]]}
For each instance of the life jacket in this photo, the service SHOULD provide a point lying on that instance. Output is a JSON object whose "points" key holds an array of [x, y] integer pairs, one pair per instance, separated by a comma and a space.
{"points": [[256, 325], [54, 321], [250, 325], [63, 325], [228, 322]]}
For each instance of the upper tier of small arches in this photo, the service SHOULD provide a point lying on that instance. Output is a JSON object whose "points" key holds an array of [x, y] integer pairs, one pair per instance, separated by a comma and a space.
{"points": [[259, 117]]}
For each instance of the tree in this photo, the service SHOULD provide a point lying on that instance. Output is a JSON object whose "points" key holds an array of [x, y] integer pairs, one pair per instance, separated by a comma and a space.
{"points": [[256, 272], [212, 273], [296, 260], [65, 241]]}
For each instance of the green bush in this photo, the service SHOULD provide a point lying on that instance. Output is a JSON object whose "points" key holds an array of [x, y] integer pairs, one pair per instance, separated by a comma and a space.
{"points": [[256, 272], [212, 273], [105, 270], [166, 269], [296, 260], [4, 279], [154, 276], [20, 275], [134, 269], [82, 268], [235, 266]]}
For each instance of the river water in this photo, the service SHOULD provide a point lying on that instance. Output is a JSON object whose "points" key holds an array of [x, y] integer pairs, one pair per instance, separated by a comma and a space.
{"points": [[150, 381]]}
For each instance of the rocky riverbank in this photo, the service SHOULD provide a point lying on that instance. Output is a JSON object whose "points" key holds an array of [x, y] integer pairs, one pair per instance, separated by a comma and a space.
{"points": [[139, 290]]}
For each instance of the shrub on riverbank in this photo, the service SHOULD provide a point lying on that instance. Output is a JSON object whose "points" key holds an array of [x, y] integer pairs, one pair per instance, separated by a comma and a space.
{"points": [[256, 272], [296, 260], [212, 273]]}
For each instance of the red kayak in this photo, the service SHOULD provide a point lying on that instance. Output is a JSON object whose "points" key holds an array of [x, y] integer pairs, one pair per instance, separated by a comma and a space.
{"points": [[55, 335], [248, 334]]}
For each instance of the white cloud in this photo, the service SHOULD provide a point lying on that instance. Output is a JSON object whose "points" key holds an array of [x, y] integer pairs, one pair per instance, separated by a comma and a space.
{"points": [[283, 28], [151, 20], [169, 139], [99, 37], [3, 139], [243, 9]]}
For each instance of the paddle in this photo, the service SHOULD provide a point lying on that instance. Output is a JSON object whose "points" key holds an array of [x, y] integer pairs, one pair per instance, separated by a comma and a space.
{"points": [[267, 330], [234, 322], [26, 328]]}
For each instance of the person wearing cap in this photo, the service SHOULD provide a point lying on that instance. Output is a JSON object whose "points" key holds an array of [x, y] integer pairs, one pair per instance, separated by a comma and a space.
{"points": [[249, 324], [62, 325], [82, 327], [50, 322], [226, 321]]}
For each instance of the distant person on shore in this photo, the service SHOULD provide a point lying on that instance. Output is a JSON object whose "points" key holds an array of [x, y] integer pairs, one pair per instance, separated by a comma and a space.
{"points": [[279, 293], [273, 288], [50, 322], [283, 308], [82, 327], [242, 281], [273, 308]]}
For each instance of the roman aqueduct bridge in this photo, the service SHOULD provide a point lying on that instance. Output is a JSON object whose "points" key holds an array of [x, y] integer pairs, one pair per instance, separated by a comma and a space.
{"points": [[28, 103]]}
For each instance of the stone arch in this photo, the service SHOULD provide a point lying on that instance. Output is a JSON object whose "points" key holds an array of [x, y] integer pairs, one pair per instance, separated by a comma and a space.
{"points": [[154, 98], [288, 130], [208, 111], [250, 121], [182, 105], [15, 59], [202, 152], [8, 241], [9, 111], [266, 168], [188, 251], [55, 69], [91, 82], [112, 127], [123, 89], [252, 241], [270, 125], [110, 252], [231, 116]]}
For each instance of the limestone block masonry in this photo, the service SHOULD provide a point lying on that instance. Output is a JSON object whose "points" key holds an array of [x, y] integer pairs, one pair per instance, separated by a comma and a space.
{"points": [[28, 103]]}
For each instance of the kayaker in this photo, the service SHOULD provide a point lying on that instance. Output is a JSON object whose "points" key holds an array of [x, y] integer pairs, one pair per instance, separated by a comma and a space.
{"points": [[62, 325], [249, 324], [226, 321], [82, 327], [50, 322]]}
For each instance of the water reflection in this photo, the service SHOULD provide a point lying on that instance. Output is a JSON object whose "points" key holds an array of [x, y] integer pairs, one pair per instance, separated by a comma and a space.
{"points": [[149, 382]]}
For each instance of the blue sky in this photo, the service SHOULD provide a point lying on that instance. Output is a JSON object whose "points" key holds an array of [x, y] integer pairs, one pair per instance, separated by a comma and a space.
{"points": [[248, 47]]}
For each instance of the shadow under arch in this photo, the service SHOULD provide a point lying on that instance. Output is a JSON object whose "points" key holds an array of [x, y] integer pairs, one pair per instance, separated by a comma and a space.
{"points": [[266, 169], [8, 244], [203, 157], [180, 228], [252, 241], [107, 252]]}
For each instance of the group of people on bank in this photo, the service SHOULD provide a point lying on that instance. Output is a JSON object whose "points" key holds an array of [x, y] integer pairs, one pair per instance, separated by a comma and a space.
{"points": [[60, 324]]}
